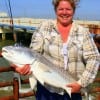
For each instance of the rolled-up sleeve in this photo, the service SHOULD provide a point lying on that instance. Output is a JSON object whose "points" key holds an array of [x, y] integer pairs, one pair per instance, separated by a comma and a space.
{"points": [[91, 57], [37, 42]]}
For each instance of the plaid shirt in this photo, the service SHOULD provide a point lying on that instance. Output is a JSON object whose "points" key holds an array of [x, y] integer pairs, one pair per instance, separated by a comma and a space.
{"points": [[83, 56]]}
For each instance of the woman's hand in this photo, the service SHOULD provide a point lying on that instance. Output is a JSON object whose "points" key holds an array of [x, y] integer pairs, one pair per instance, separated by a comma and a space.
{"points": [[75, 87], [25, 70]]}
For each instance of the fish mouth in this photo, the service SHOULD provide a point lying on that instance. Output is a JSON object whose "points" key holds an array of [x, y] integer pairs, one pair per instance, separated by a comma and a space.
{"points": [[4, 51]]}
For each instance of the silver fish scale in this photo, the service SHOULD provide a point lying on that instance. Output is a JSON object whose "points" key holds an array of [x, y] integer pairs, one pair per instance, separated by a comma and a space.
{"points": [[64, 73]]}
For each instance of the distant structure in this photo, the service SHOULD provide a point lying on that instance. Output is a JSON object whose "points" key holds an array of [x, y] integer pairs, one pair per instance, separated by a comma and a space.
{"points": [[28, 25], [3, 14]]}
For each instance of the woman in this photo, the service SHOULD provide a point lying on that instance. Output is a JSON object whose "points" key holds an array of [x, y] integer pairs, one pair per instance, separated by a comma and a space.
{"points": [[67, 45]]}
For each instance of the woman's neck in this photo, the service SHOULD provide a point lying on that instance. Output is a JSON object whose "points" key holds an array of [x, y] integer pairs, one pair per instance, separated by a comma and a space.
{"points": [[64, 31]]}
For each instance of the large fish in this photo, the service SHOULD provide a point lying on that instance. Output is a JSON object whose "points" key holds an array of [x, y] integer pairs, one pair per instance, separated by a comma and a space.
{"points": [[47, 73]]}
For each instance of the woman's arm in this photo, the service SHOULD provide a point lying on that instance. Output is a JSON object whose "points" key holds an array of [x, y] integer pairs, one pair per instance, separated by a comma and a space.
{"points": [[91, 57]]}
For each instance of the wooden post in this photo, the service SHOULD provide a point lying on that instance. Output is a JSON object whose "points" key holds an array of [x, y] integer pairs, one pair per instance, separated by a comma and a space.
{"points": [[16, 88], [0, 54], [15, 36], [98, 97], [3, 36]]}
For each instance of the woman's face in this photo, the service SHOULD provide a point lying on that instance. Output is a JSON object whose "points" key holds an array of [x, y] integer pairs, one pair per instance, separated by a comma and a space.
{"points": [[64, 13]]}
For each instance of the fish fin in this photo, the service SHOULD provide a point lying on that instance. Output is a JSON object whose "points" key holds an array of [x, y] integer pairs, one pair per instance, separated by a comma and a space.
{"points": [[37, 72], [68, 90], [32, 81], [41, 80]]}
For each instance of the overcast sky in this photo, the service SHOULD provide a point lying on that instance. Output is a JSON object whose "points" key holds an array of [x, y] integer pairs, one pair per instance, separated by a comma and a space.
{"points": [[87, 9]]}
